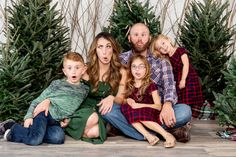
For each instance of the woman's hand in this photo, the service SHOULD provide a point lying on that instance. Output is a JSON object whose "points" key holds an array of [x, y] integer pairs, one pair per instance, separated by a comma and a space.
{"points": [[105, 105], [167, 115], [28, 122], [43, 106], [64, 123]]}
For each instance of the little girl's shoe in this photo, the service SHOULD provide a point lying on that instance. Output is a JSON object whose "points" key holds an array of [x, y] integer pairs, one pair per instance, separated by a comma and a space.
{"points": [[170, 141], [152, 139]]}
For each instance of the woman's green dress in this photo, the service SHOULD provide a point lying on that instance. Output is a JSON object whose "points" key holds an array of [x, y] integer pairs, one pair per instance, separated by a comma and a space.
{"points": [[78, 121]]}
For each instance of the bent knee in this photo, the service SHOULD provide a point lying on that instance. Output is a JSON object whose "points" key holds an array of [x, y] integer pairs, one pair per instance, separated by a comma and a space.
{"points": [[57, 138], [93, 132], [34, 141], [183, 114], [92, 120]]}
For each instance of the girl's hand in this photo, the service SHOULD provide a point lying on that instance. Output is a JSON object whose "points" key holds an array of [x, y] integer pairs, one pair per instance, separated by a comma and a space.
{"points": [[28, 122], [182, 84], [64, 123], [130, 102], [133, 104], [105, 105], [43, 106]]}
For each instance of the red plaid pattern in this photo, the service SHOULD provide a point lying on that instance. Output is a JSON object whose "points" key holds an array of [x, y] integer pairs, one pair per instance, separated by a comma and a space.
{"points": [[192, 93], [141, 114]]}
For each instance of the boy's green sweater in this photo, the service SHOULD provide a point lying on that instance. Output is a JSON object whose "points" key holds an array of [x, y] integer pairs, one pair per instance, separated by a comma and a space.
{"points": [[65, 99]]}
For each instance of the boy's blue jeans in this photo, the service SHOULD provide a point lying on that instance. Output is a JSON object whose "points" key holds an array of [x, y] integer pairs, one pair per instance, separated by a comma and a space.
{"points": [[44, 130], [183, 115]]}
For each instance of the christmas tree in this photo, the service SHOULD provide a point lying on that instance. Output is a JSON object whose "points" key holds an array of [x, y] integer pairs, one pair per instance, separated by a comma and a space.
{"points": [[206, 36], [31, 59], [225, 102], [127, 13]]}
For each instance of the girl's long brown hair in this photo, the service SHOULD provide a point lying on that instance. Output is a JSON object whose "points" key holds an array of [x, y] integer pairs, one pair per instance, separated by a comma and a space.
{"points": [[146, 81], [113, 75]]}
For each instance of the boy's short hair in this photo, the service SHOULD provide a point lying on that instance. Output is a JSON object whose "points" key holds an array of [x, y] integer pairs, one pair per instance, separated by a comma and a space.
{"points": [[74, 56]]}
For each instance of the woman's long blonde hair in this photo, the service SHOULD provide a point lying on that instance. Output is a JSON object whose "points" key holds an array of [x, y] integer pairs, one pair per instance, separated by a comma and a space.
{"points": [[146, 80], [113, 75]]}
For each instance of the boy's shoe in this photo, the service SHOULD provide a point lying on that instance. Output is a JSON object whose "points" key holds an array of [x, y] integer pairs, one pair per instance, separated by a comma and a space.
{"points": [[7, 135], [7, 124]]}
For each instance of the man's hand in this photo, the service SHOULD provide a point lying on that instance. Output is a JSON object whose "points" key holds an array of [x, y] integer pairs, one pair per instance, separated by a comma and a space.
{"points": [[28, 122], [43, 106], [167, 115]]}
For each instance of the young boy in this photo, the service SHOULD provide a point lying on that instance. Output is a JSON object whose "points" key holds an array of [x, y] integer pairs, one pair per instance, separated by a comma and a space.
{"points": [[65, 95]]}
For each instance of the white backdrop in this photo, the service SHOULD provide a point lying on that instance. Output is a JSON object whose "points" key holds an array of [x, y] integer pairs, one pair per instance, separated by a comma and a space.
{"points": [[85, 18]]}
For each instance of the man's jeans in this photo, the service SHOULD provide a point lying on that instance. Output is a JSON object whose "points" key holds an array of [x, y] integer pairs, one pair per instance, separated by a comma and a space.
{"points": [[183, 115], [44, 130]]}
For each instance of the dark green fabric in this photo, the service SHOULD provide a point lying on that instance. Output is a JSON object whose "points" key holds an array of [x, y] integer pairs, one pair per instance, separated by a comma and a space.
{"points": [[78, 120]]}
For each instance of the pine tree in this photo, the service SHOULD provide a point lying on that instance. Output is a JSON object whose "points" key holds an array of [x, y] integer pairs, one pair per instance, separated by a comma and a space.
{"points": [[32, 57], [206, 35], [127, 13], [225, 102]]}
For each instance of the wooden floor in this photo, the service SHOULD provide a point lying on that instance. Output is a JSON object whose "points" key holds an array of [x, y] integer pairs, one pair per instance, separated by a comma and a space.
{"points": [[204, 143]]}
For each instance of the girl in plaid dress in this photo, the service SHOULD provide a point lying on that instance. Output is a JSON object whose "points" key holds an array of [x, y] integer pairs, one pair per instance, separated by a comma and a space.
{"points": [[143, 104], [188, 86]]}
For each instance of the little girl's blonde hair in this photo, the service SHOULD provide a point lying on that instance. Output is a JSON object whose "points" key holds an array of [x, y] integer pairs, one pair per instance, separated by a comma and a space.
{"points": [[154, 49]]}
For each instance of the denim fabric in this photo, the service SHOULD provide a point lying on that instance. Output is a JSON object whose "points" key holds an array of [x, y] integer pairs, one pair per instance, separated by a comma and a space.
{"points": [[116, 118], [44, 129]]}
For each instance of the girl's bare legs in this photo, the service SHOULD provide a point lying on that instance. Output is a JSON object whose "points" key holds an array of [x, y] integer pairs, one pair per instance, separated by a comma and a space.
{"points": [[152, 139], [91, 129], [170, 139]]}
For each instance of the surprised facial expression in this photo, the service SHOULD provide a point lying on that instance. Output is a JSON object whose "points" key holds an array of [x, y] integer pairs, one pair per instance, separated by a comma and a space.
{"points": [[104, 51], [73, 70]]}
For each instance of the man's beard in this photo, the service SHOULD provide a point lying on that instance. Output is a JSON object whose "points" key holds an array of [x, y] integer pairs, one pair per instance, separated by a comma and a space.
{"points": [[137, 49]]}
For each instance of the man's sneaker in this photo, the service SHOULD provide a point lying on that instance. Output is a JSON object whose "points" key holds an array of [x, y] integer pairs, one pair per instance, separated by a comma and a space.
{"points": [[7, 124], [7, 135], [182, 134]]}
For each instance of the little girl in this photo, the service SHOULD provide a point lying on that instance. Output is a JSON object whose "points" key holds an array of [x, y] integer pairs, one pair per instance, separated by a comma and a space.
{"points": [[143, 104], [189, 89]]}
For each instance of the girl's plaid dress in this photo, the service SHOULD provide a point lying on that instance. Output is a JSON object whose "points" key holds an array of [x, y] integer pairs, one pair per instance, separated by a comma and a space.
{"points": [[141, 114], [192, 93]]}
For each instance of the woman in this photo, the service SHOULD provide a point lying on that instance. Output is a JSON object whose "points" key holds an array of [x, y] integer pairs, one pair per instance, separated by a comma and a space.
{"points": [[106, 79]]}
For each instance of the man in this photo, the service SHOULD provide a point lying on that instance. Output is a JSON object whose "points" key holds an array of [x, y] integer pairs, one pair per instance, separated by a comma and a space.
{"points": [[174, 117]]}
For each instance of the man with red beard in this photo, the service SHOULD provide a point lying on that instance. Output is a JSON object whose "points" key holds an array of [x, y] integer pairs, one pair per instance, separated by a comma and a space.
{"points": [[174, 117]]}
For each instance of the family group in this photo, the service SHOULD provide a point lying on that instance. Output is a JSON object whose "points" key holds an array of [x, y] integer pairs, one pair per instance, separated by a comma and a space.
{"points": [[148, 93]]}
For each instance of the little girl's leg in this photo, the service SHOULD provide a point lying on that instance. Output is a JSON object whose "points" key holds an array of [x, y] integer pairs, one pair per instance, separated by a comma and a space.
{"points": [[152, 139], [170, 139]]}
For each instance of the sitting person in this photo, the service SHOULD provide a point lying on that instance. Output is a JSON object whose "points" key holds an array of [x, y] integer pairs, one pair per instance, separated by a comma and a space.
{"points": [[65, 96], [143, 103], [174, 117], [106, 78]]}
